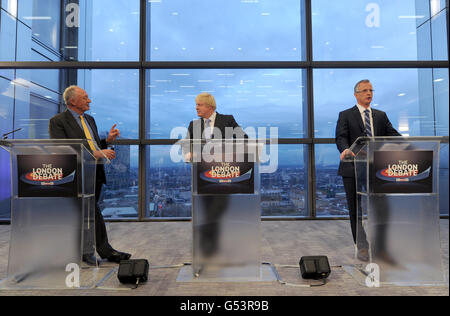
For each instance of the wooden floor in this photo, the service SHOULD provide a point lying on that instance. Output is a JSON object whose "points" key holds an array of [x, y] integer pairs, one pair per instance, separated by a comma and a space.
{"points": [[283, 243]]}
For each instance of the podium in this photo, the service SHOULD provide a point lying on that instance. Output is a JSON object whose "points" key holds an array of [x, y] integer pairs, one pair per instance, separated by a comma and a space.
{"points": [[397, 181], [52, 214], [226, 212]]}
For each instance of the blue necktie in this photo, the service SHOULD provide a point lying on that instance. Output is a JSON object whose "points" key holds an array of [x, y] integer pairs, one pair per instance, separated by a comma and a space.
{"points": [[367, 123]]}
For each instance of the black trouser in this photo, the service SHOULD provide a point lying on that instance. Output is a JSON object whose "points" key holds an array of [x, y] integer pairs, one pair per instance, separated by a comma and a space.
{"points": [[380, 218], [350, 192], [101, 236], [209, 233]]}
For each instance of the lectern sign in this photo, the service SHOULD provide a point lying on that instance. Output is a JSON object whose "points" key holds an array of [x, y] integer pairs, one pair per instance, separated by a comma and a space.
{"points": [[406, 171], [47, 175], [225, 178]]}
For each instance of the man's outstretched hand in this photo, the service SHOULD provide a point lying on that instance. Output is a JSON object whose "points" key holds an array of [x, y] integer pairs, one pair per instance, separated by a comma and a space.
{"points": [[113, 134]]}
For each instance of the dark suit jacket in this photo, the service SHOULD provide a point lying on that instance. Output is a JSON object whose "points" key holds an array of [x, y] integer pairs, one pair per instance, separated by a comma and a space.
{"points": [[64, 126], [350, 126], [222, 121]]}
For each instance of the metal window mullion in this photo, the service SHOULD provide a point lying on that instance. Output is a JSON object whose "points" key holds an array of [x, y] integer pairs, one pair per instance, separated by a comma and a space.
{"points": [[311, 148], [224, 65], [310, 181], [142, 166], [448, 26], [143, 31], [308, 31]]}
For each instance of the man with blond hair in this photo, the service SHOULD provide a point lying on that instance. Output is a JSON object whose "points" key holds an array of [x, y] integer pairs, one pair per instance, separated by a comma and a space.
{"points": [[211, 123]]}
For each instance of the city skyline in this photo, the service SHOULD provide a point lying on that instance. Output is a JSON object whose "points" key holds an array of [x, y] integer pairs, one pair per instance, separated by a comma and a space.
{"points": [[282, 194]]}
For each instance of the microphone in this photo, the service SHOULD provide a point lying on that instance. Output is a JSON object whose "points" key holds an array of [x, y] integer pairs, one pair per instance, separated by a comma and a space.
{"points": [[5, 136]]}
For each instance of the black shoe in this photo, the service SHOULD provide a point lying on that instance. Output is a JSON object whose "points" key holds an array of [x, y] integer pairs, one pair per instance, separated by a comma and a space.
{"points": [[90, 260], [363, 254], [117, 256]]}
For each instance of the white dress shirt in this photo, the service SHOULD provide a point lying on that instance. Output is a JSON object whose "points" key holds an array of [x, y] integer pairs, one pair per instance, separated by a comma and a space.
{"points": [[212, 120]]}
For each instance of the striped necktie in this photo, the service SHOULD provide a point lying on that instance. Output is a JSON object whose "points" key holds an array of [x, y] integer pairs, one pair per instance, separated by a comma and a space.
{"points": [[88, 134], [367, 123]]}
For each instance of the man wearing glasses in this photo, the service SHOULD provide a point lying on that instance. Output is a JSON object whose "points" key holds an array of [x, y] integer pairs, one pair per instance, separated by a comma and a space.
{"points": [[360, 120]]}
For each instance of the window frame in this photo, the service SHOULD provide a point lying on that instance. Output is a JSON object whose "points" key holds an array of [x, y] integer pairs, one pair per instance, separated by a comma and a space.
{"points": [[307, 66]]}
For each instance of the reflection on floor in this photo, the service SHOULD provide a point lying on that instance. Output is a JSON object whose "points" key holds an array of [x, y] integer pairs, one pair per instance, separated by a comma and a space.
{"points": [[167, 246]]}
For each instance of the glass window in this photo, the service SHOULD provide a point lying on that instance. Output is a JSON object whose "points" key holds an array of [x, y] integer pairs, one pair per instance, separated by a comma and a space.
{"points": [[29, 105], [330, 192], [406, 95], [424, 51], [255, 97], [6, 126], [99, 30], [361, 30], [284, 192], [115, 99], [443, 179], [9, 6], [120, 194], [108, 31], [224, 30], [41, 109], [439, 36], [24, 105], [30, 31], [6, 105], [441, 101], [415, 99], [33, 105], [168, 185], [44, 21], [7, 36]]}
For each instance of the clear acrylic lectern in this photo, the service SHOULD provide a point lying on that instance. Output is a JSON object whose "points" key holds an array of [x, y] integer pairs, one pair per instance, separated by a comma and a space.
{"points": [[226, 211], [52, 214], [397, 182]]}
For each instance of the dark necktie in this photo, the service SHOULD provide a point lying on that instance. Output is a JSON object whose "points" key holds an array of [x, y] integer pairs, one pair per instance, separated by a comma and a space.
{"points": [[367, 123]]}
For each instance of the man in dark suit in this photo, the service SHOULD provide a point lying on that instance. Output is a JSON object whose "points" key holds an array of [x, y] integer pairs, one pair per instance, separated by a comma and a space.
{"points": [[360, 120], [211, 125], [75, 124]]}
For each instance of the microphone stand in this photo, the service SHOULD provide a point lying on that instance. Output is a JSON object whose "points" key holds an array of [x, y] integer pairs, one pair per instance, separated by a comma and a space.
{"points": [[5, 136]]}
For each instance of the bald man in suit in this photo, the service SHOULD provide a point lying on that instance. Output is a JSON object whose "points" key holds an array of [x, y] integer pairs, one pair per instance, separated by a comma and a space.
{"points": [[69, 125]]}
